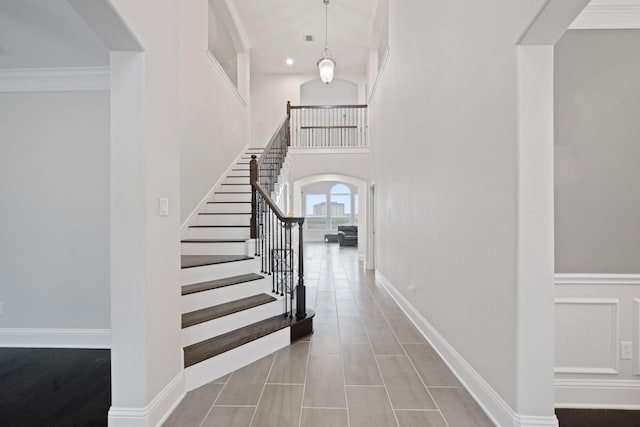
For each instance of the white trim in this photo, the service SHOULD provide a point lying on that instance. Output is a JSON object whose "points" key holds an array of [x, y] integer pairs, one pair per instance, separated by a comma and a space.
{"points": [[613, 350], [636, 336], [313, 150], [55, 79], [608, 14], [489, 400], [156, 412], [383, 64], [587, 371], [193, 216], [596, 279], [598, 394], [55, 338], [224, 75]]}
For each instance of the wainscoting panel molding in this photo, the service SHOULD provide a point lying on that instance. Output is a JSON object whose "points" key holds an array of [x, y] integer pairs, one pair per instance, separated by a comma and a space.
{"points": [[586, 335], [636, 336], [597, 279], [587, 332]]}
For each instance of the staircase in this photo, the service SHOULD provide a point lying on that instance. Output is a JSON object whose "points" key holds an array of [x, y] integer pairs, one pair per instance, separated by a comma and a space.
{"points": [[231, 315]]}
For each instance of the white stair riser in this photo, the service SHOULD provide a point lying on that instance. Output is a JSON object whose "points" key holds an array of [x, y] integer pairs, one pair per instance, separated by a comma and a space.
{"points": [[228, 207], [222, 325], [234, 187], [219, 233], [243, 179], [227, 248], [230, 219], [208, 370], [238, 171], [231, 197], [200, 300], [218, 271]]}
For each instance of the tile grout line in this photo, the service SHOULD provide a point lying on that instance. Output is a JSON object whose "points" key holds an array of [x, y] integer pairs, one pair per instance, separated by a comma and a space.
{"points": [[411, 361], [375, 359], [215, 400], [304, 384], [273, 361]]}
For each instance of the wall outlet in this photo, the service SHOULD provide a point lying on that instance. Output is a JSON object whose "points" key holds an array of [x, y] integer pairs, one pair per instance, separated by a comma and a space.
{"points": [[626, 350]]}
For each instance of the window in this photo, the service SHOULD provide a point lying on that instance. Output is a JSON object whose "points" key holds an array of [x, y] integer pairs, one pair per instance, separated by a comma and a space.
{"points": [[316, 211], [340, 213], [221, 43], [325, 212]]}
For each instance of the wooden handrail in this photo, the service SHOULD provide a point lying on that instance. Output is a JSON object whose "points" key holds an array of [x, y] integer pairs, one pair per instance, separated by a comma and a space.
{"points": [[328, 127], [323, 107], [276, 210], [273, 139]]}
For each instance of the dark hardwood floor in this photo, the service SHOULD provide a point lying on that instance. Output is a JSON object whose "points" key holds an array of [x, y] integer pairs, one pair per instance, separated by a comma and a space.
{"points": [[54, 387], [597, 418]]}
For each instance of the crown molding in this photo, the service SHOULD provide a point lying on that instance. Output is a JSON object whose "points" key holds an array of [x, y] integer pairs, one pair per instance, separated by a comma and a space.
{"points": [[54, 79], [608, 14]]}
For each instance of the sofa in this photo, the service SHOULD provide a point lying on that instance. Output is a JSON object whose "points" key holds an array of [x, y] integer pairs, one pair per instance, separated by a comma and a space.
{"points": [[348, 235]]}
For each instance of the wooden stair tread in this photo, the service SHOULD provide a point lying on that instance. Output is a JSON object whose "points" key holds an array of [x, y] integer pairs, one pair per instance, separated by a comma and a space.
{"points": [[233, 192], [220, 310], [219, 226], [213, 241], [220, 283], [228, 202], [224, 213], [189, 261], [207, 349]]}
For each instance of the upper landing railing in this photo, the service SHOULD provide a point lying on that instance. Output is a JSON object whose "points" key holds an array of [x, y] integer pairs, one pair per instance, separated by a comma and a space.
{"points": [[328, 126]]}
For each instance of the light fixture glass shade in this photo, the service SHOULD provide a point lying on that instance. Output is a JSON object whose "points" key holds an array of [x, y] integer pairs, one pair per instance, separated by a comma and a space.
{"points": [[326, 66]]}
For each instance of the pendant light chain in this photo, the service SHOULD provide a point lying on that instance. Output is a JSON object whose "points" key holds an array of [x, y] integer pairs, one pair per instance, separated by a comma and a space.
{"points": [[326, 65], [326, 24]]}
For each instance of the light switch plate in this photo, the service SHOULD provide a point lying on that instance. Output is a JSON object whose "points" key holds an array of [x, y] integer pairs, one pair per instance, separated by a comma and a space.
{"points": [[164, 206], [626, 350]]}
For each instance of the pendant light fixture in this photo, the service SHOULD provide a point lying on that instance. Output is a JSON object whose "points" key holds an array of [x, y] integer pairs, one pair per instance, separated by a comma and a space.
{"points": [[326, 65]]}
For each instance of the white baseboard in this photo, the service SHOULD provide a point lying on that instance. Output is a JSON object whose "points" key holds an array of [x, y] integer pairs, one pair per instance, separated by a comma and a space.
{"points": [[192, 218], [156, 412], [489, 400], [55, 338], [597, 394]]}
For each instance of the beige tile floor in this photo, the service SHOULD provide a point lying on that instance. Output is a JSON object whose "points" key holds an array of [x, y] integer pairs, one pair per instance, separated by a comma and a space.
{"points": [[365, 365]]}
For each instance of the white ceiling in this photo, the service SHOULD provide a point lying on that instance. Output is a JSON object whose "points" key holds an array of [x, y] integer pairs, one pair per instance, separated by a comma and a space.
{"points": [[276, 30], [46, 33], [49, 33]]}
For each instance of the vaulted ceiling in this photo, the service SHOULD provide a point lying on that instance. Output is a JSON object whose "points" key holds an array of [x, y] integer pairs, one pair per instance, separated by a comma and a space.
{"points": [[276, 29]]}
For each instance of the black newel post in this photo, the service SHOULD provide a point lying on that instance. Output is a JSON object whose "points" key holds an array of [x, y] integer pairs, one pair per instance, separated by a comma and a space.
{"points": [[301, 297], [253, 178]]}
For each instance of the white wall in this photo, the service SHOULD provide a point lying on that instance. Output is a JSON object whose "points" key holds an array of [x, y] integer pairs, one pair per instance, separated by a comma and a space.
{"points": [[54, 221], [338, 92], [444, 137], [597, 192], [215, 122], [269, 96], [597, 214]]}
